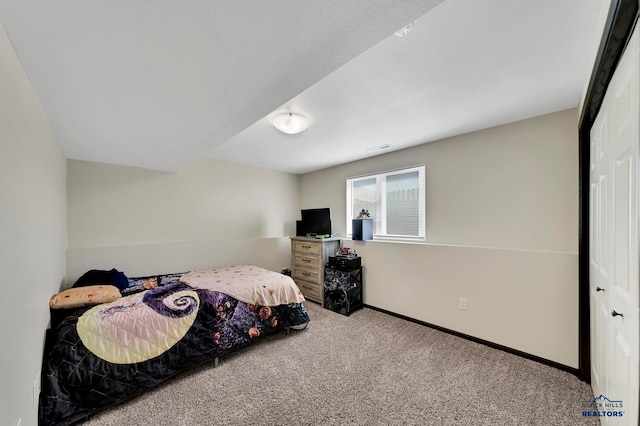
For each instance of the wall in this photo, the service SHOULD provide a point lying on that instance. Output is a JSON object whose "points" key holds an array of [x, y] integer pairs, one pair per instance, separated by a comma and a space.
{"points": [[32, 235], [501, 229], [212, 213]]}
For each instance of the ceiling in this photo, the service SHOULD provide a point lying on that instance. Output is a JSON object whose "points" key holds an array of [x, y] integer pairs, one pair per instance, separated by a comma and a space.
{"points": [[161, 84]]}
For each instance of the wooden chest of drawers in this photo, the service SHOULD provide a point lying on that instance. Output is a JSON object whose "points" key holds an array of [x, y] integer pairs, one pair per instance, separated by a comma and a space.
{"points": [[308, 257]]}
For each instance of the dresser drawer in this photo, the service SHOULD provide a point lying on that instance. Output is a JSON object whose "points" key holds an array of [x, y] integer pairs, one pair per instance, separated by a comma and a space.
{"points": [[302, 274], [307, 248], [309, 263], [310, 290]]}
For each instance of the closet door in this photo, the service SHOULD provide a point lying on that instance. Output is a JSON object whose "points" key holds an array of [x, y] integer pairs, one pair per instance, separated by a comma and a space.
{"points": [[614, 241], [623, 280]]}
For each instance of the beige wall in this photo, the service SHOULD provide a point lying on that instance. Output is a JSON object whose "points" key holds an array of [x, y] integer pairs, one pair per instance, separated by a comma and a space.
{"points": [[512, 186], [212, 213], [32, 235], [502, 211]]}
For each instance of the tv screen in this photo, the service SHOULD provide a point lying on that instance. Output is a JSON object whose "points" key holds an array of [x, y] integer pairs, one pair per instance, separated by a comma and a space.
{"points": [[316, 221]]}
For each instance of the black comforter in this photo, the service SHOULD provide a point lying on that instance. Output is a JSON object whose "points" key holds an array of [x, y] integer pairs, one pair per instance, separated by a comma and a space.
{"points": [[76, 382]]}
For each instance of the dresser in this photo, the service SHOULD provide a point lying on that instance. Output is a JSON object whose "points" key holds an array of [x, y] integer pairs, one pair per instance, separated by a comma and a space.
{"points": [[308, 257]]}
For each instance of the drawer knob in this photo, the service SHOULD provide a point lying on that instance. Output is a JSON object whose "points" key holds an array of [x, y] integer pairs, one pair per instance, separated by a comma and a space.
{"points": [[307, 247]]}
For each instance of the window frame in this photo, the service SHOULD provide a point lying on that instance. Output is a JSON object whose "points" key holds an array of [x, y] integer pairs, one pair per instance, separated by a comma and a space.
{"points": [[382, 202]]}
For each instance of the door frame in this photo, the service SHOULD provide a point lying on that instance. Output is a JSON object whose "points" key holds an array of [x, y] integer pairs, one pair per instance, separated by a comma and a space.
{"points": [[621, 20]]}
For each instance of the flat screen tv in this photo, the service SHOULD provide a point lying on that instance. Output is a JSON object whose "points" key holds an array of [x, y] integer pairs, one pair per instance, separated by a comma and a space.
{"points": [[315, 221]]}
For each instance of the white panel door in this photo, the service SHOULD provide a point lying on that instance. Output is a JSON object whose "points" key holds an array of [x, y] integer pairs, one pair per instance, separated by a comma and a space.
{"points": [[614, 261], [623, 279]]}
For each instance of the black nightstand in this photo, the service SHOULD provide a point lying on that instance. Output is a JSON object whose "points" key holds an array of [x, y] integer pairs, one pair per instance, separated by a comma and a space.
{"points": [[342, 289]]}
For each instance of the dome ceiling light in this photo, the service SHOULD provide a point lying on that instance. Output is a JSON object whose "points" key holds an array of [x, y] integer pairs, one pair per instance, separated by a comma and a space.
{"points": [[404, 30], [290, 123]]}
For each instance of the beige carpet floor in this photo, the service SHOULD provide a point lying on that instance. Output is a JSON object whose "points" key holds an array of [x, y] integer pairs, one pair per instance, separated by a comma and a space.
{"points": [[366, 369]]}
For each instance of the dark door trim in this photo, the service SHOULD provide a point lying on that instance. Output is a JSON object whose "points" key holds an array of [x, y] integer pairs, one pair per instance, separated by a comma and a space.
{"points": [[622, 17]]}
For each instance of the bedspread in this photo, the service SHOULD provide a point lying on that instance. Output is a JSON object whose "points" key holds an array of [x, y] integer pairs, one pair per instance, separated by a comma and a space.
{"points": [[102, 356], [248, 283]]}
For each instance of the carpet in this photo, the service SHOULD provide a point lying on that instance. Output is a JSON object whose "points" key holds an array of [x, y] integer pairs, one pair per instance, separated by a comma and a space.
{"points": [[366, 369]]}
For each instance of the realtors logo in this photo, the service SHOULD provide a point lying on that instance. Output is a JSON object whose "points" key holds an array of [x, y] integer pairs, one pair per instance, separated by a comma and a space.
{"points": [[602, 407]]}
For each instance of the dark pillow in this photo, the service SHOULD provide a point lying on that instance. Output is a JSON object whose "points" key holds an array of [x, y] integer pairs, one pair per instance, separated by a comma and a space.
{"points": [[138, 284], [96, 276]]}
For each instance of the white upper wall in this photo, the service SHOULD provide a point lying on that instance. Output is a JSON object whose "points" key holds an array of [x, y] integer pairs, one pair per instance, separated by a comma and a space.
{"points": [[512, 186], [145, 222], [210, 200], [33, 235]]}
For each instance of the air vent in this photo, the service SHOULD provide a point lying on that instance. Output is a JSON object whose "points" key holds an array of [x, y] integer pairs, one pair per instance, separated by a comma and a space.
{"points": [[380, 147]]}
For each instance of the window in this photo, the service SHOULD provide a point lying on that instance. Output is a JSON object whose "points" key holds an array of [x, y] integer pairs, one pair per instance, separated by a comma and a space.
{"points": [[395, 201]]}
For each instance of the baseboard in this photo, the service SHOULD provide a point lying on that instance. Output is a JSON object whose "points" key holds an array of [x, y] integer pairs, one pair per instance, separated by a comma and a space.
{"points": [[493, 345]]}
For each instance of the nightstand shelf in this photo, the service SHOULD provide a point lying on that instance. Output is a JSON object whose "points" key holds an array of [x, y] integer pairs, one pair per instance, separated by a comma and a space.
{"points": [[343, 289]]}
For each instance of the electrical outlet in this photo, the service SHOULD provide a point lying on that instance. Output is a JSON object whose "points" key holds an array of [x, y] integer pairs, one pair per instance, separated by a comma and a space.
{"points": [[36, 391], [462, 304]]}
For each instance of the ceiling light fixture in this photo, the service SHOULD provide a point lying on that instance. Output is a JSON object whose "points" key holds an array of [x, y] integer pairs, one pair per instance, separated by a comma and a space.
{"points": [[404, 30], [290, 123]]}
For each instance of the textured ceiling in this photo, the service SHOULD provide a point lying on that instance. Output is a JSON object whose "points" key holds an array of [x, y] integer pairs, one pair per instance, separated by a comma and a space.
{"points": [[465, 66], [160, 84]]}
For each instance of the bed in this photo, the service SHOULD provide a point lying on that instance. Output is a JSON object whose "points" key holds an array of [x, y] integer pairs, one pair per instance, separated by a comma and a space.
{"points": [[103, 355]]}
